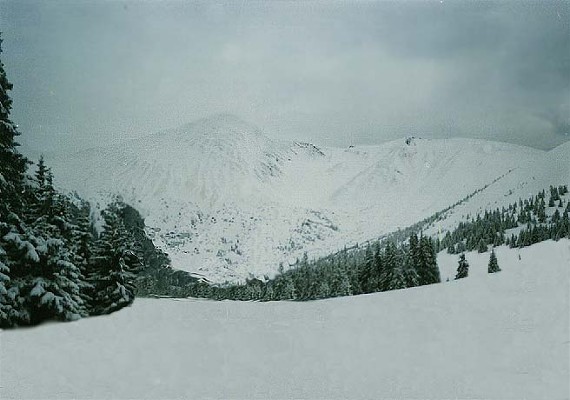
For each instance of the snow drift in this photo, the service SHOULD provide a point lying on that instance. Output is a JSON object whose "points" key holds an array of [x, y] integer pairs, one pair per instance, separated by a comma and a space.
{"points": [[500, 336]]}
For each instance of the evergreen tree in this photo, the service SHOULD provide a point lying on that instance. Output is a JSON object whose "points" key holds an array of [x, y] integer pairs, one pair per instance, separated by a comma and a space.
{"points": [[368, 282], [428, 270], [462, 268], [341, 283], [409, 268], [12, 171], [482, 246], [493, 264], [17, 256], [551, 202], [398, 279], [55, 290], [390, 263], [354, 276], [12, 164], [288, 288], [6, 308], [115, 264]]}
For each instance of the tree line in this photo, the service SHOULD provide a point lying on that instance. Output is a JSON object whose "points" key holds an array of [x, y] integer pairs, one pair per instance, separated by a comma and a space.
{"points": [[529, 221], [380, 266]]}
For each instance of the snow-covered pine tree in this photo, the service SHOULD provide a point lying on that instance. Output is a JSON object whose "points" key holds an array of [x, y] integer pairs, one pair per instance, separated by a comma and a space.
{"points": [[428, 270], [17, 255], [342, 282], [12, 172], [288, 288], [41, 203], [115, 264], [398, 279], [354, 275], [391, 262], [493, 263], [5, 302], [12, 164], [412, 262], [462, 268], [368, 281], [323, 290], [409, 271], [56, 285], [482, 246], [551, 202], [415, 249], [78, 233]]}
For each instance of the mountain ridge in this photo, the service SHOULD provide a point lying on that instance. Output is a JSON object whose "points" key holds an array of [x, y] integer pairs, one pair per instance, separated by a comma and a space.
{"points": [[228, 208]]}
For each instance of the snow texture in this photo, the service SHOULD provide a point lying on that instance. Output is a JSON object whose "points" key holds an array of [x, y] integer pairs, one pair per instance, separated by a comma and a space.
{"points": [[226, 202], [499, 336]]}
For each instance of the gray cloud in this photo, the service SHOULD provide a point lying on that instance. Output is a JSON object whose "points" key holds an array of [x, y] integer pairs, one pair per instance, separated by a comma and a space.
{"points": [[331, 72]]}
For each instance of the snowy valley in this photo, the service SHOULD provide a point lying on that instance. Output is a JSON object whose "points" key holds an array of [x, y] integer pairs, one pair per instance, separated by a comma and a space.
{"points": [[226, 202]]}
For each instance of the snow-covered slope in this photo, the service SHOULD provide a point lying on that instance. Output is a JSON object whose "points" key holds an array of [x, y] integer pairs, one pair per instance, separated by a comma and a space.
{"points": [[225, 201], [500, 336], [530, 177]]}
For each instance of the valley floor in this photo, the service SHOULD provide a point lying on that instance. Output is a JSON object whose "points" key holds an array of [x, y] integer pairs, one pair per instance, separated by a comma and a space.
{"points": [[485, 337]]}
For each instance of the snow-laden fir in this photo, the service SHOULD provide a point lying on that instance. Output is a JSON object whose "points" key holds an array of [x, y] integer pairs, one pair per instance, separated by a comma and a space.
{"points": [[227, 202], [487, 336]]}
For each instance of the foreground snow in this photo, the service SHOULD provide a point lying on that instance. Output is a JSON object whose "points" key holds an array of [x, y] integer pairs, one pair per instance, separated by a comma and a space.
{"points": [[501, 336]]}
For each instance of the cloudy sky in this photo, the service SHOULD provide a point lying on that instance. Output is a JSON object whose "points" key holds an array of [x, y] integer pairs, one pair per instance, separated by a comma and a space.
{"points": [[88, 72]]}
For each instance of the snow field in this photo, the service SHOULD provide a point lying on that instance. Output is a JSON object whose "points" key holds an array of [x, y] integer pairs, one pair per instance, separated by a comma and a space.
{"points": [[500, 336]]}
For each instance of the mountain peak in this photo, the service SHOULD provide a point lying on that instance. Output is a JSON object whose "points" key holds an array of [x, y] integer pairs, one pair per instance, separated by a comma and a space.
{"points": [[222, 124]]}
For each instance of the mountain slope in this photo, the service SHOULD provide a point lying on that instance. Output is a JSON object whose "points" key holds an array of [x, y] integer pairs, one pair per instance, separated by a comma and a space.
{"points": [[500, 336], [226, 202], [526, 180]]}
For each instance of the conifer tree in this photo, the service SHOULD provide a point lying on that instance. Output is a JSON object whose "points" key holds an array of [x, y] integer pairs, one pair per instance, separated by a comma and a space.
{"points": [[17, 256], [428, 270], [379, 268], [409, 269], [115, 264], [493, 264], [12, 171], [287, 288], [398, 279], [390, 263], [462, 268], [368, 281], [341, 283], [482, 246], [55, 290], [12, 164]]}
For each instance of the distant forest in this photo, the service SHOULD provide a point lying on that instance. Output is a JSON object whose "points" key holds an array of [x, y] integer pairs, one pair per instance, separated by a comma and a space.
{"points": [[398, 261]]}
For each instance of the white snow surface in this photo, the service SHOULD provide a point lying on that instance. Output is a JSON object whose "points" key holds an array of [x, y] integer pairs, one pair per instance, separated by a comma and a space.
{"points": [[227, 202], [499, 336]]}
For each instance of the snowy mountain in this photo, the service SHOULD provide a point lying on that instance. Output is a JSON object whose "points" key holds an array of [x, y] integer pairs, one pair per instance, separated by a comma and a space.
{"points": [[488, 336], [553, 168], [226, 202]]}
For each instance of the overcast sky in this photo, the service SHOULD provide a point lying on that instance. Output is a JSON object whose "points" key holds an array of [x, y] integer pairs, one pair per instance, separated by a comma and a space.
{"points": [[85, 72]]}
